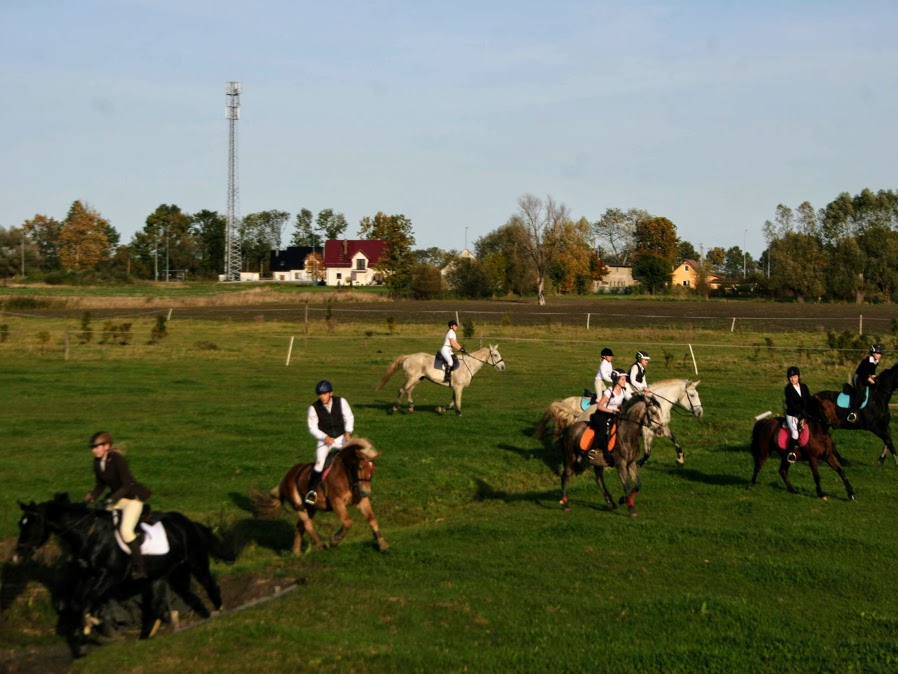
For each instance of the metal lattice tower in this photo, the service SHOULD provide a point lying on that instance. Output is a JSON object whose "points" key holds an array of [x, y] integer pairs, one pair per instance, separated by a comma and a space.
{"points": [[232, 233]]}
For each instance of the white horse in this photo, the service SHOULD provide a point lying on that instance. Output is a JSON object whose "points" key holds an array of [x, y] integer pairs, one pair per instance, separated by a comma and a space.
{"points": [[667, 393], [418, 366]]}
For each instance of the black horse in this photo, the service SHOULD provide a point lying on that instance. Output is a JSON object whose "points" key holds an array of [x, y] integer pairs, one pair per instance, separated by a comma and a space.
{"points": [[874, 417], [103, 567]]}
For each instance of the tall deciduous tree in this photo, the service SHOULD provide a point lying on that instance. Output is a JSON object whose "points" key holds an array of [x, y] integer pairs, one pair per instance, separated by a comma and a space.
{"points": [[715, 259], [82, 240], [542, 224], [509, 268], [615, 234], [657, 235], [304, 233], [653, 271], [798, 265], [398, 257], [44, 232], [260, 233], [209, 228], [332, 224], [169, 232]]}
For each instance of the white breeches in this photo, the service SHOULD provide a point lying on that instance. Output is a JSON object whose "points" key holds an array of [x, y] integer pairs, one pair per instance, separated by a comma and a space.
{"points": [[446, 353], [792, 423], [323, 449]]}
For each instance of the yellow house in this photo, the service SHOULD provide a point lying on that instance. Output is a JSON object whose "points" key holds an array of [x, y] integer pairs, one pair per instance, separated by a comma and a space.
{"points": [[684, 275]]}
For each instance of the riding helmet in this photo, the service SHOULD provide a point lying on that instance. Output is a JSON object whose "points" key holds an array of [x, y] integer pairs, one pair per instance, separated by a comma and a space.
{"points": [[324, 386], [101, 438], [607, 352], [876, 348], [453, 323], [792, 371], [642, 355], [617, 374]]}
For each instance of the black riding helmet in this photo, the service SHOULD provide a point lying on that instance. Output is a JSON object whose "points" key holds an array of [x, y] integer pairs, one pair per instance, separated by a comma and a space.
{"points": [[607, 352], [453, 323], [792, 371], [324, 386], [876, 348]]}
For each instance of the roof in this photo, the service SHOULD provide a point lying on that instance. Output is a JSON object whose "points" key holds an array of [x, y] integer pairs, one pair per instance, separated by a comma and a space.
{"points": [[339, 252], [294, 257]]}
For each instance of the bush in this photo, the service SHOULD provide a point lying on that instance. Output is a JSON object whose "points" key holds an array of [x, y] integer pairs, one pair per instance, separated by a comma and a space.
{"points": [[468, 278], [87, 332], [467, 327], [159, 331]]}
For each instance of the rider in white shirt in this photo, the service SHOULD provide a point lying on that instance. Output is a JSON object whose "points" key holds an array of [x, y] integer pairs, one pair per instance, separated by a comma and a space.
{"points": [[637, 373], [450, 341], [603, 375]]}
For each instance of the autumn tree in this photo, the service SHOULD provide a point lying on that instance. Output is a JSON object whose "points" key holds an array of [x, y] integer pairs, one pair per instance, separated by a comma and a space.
{"points": [[398, 257], [715, 259], [83, 242], [657, 235], [542, 224], [508, 267], [572, 266]]}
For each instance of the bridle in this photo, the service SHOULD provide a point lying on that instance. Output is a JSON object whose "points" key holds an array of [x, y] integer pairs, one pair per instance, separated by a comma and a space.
{"points": [[355, 478], [675, 405], [491, 360]]}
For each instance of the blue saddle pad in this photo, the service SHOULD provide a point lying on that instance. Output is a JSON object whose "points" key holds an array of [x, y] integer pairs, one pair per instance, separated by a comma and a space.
{"points": [[844, 400], [585, 403]]}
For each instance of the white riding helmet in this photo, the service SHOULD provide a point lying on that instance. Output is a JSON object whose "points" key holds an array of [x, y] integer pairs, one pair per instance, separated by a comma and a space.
{"points": [[642, 355]]}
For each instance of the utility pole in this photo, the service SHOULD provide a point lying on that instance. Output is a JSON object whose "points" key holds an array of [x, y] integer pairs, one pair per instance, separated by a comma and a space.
{"points": [[743, 252]]}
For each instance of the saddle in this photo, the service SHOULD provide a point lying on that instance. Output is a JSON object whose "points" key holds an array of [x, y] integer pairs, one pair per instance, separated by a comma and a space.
{"points": [[587, 399], [782, 438], [439, 362], [149, 530], [843, 400], [587, 440]]}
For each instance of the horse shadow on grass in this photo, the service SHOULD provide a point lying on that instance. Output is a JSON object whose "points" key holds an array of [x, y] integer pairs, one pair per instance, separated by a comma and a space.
{"points": [[547, 500], [275, 534], [547, 452]]}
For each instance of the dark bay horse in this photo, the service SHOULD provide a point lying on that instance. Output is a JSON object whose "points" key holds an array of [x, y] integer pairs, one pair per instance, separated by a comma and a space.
{"points": [[419, 366], [637, 413], [819, 448], [347, 481], [103, 567], [874, 417]]}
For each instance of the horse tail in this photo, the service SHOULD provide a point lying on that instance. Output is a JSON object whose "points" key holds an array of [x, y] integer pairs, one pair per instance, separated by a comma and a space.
{"points": [[265, 504], [215, 545], [390, 370], [539, 431], [562, 418]]}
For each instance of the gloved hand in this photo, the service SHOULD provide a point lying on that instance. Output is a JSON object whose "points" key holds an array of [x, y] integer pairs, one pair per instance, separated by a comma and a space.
{"points": [[107, 504]]}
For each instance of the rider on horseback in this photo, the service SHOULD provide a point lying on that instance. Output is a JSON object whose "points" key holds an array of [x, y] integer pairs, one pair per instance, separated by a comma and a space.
{"points": [[607, 409], [450, 342], [797, 399], [126, 494], [331, 423], [864, 378], [637, 373], [603, 375]]}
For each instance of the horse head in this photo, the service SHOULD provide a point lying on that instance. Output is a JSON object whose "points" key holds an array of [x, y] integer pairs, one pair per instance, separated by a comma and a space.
{"points": [[496, 359], [691, 400], [33, 531], [652, 418], [361, 456]]}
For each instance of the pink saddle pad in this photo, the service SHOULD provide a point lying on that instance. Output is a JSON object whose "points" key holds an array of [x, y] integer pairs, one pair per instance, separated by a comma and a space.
{"points": [[782, 439]]}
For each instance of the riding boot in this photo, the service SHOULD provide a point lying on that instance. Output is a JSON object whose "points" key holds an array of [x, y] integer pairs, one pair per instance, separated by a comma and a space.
{"points": [[447, 377], [138, 569], [792, 446], [314, 481]]}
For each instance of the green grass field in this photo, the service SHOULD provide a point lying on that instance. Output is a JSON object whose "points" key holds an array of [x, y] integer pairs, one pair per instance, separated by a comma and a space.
{"points": [[485, 572]]}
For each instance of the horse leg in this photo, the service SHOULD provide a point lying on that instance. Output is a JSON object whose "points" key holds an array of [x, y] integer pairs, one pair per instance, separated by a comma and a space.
{"points": [[600, 481], [784, 473], [812, 462], [346, 523], [629, 491], [647, 436], [680, 458], [304, 525], [180, 583], [154, 605], [834, 464], [365, 507], [456, 398], [566, 473], [409, 387]]}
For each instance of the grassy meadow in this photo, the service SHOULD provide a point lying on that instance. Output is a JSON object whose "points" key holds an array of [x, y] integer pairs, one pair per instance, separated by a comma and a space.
{"points": [[485, 572]]}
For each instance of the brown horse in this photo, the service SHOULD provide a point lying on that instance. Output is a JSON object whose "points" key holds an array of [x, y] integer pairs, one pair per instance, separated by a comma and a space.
{"points": [[636, 413], [819, 447], [348, 481]]}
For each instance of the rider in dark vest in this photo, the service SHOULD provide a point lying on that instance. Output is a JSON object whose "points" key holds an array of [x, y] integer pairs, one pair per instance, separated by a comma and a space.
{"points": [[864, 378], [331, 423], [797, 399]]}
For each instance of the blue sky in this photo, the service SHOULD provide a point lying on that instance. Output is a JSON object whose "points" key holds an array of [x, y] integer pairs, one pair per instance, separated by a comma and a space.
{"points": [[708, 113]]}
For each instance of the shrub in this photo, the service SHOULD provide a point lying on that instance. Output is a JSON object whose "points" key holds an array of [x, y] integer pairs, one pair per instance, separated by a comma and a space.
{"points": [[159, 331], [87, 332], [467, 327], [426, 282]]}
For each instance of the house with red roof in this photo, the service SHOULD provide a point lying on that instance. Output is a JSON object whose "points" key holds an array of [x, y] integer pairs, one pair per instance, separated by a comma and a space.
{"points": [[353, 261]]}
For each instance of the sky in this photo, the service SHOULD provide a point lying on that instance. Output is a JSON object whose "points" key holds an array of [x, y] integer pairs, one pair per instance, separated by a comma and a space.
{"points": [[707, 113]]}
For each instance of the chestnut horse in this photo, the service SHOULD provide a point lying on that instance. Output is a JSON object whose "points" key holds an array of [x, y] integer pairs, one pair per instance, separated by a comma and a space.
{"points": [[764, 442], [636, 413], [347, 481]]}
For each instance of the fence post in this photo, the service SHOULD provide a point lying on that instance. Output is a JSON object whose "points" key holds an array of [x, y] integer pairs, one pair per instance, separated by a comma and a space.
{"points": [[860, 328], [587, 320], [307, 318], [289, 352], [733, 326], [66, 344], [694, 364], [169, 315]]}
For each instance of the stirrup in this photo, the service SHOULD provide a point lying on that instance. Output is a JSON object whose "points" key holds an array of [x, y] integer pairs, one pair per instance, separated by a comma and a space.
{"points": [[791, 458], [311, 498], [851, 418]]}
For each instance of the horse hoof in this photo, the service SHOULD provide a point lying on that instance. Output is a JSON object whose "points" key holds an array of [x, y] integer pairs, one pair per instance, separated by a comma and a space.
{"points": [[156, 626], [634, 514], [680, 461], [383, 546], [824, 497], [440, 409], [458, 413]]}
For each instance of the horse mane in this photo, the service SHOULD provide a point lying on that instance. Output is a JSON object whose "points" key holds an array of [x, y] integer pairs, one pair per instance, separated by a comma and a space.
{"points": [[362, 445]]}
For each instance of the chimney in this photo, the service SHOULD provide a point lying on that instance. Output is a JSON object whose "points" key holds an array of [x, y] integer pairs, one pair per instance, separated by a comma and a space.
{"points": [[345, 248]]}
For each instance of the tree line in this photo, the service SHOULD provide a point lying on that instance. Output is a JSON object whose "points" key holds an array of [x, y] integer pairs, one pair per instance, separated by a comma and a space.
{"points": [[847, 250]]}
